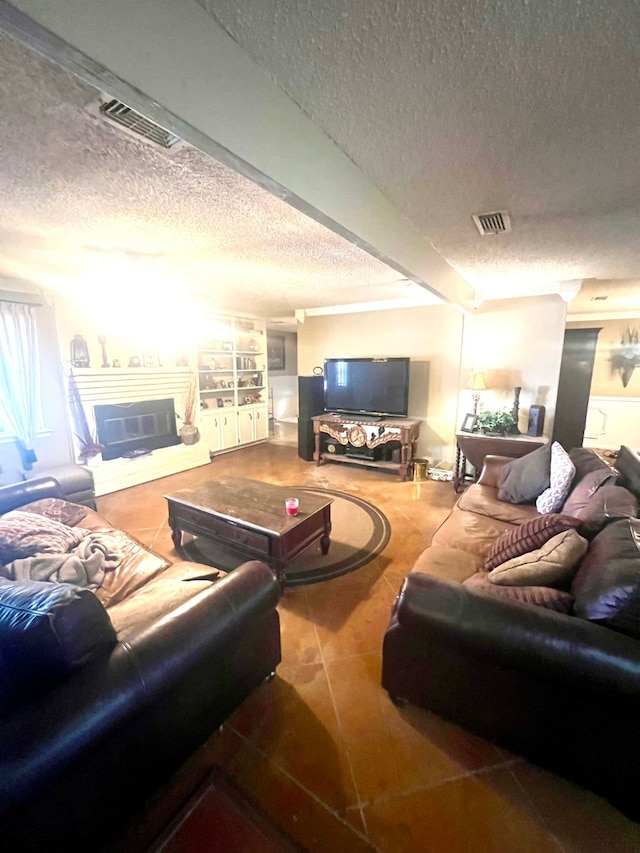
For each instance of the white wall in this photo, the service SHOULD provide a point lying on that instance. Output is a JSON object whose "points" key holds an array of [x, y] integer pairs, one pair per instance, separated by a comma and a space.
{"points": [[283, 384], [519, 343], [431, 337]]}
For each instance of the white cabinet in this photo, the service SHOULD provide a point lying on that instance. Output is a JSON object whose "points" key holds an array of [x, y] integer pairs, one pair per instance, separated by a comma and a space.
{"points": [[261, 422], [253, 423], [219, 429]]}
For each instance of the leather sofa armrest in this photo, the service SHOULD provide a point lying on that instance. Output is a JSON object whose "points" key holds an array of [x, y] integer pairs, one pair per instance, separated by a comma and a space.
{"points": [[19, 494], [575, 652], [139, 677], [491, 468]]}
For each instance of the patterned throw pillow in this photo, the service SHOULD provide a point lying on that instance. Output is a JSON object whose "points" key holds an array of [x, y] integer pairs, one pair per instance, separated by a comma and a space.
{"points": [[561, 476], [528, 537], [541, 596], [57, 509], [24, 534]]}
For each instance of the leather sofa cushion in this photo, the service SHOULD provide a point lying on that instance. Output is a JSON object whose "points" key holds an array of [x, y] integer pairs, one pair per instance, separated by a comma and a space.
{"points": [[606, 588], [161, 595], [469, 531], [23, 534], [553, 564], [46, 631], [542, 596], [522, 480], [447, 563], [484, 500], [528, 537]]}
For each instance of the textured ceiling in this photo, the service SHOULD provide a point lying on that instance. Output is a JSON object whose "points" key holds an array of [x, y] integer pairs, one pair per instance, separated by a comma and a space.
{"points": [[461, 106], [451, 107], [84, 204]]}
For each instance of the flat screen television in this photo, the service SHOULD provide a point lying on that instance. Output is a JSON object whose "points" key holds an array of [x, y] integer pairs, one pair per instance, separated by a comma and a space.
{"points": [[367, 386]]}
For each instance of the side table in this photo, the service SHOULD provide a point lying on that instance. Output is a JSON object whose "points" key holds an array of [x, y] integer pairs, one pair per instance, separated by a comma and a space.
{"points": [[472, 447]]}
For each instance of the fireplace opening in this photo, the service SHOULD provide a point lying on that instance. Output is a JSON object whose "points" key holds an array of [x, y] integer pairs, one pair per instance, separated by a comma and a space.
{"points": [[145, 425]]}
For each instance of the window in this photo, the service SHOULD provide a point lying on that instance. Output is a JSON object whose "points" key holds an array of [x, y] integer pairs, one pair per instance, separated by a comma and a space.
{"points": [[20, 412]]}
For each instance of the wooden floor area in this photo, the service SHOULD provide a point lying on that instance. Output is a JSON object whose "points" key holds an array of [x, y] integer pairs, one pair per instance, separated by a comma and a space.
{"points": [[321, 749]]}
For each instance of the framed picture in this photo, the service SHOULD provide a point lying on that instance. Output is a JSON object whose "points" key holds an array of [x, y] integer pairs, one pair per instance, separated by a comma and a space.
{"points": [[468, 423], [275, 352], [150, 358]]}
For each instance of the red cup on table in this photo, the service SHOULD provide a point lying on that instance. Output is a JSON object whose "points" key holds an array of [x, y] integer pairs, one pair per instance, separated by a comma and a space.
{"points": [[292, 505]]}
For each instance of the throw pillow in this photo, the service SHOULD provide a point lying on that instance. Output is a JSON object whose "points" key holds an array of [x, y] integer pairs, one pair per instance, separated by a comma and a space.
{"points": [[586, 461], [24, 534], [561, 475], [46, 631], [609, 503], [541, 596], [587, 487], [522, 480], [553, 564], [527, 537], [57, 509], [607, 585]]}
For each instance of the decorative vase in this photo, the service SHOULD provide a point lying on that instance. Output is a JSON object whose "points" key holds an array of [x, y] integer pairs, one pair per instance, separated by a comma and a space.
{"points": [[189, 434], [92, 461]]}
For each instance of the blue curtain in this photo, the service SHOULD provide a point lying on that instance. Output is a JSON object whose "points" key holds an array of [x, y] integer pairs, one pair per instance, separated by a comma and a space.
{"points": [[20, 375]]}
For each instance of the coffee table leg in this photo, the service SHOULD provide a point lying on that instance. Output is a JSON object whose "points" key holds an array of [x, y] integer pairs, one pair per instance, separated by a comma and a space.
{"points": [[176, 537], [278, 567], [325, 540]]}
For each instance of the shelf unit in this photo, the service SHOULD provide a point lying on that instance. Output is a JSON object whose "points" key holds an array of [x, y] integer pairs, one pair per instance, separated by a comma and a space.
{"points": [[233, 385]]}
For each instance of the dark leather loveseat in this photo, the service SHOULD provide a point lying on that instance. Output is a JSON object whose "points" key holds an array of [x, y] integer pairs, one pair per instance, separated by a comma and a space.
{"points": [[105, 693], [560, 688]]}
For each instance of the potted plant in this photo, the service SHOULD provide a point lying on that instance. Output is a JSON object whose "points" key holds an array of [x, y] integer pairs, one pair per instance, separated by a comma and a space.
{"points": [[188, 432], [496, 423]]}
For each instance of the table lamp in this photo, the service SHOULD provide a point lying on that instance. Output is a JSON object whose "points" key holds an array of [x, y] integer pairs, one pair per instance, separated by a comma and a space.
{"points": [[477, 383]]}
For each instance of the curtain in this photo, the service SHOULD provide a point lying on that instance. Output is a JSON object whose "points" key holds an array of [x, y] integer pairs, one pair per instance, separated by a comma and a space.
{"points": [[20, 375]]}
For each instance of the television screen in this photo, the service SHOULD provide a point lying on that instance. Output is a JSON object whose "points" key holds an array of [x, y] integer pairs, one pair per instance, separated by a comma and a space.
{"points": [[367, 386]]}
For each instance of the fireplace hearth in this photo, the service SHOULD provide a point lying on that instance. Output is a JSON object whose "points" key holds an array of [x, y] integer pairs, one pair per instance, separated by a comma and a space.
{"points": [[143, 425]]}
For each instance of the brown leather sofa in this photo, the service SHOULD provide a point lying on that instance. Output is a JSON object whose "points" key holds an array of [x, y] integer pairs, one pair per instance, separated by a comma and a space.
{"points": [[559, 689], [172, 650]]}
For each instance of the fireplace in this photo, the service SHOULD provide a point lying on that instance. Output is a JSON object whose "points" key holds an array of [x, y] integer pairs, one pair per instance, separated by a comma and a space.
{"points": [[144, 425]]}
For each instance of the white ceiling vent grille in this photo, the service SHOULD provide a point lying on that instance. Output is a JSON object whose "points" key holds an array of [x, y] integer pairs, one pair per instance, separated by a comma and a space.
{"points": [[135, 123], [497, 222]]}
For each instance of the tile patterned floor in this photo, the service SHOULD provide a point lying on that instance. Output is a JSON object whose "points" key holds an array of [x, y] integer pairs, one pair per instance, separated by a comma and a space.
{"points": [[322, 749]]}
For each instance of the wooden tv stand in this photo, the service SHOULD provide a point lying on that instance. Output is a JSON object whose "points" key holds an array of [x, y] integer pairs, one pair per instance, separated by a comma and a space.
{"points": [[355, 441]]}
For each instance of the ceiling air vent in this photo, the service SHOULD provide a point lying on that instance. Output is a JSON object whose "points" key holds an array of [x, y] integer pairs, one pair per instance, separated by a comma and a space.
{"points": [[492, 223], [135, 123]]}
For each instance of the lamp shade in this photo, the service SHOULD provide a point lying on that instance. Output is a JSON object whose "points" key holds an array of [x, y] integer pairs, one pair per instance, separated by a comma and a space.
{"points": [[478, 381]]}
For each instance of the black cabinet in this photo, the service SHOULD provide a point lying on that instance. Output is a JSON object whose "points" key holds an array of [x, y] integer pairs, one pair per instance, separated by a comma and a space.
{"points": [[574, 386]]}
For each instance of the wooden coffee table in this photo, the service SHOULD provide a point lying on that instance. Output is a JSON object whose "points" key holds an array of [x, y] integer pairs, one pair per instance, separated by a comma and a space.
{"points": [[249, 517]]}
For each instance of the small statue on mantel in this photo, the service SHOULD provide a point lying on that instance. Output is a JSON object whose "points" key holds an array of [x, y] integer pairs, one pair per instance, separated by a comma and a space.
{"points": [[103, 343], [514, 410]]}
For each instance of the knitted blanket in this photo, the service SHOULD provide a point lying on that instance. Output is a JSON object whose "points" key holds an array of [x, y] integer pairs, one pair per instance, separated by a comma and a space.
{"points": [[85, 565]]}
